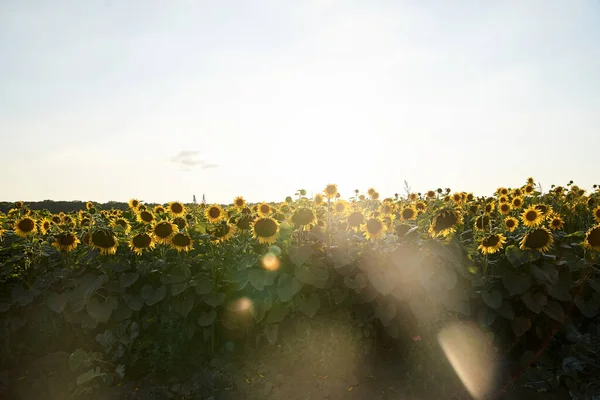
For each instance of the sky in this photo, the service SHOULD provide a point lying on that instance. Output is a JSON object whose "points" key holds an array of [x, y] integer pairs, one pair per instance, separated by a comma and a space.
{"points": [[162, 100]]}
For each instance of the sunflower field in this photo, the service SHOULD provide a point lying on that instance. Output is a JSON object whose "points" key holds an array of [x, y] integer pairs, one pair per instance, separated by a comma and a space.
{"points": [[139, 289]]}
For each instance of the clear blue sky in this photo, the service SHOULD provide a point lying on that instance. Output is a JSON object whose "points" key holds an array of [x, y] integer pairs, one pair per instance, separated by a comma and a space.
{"points": [[99, 98]]}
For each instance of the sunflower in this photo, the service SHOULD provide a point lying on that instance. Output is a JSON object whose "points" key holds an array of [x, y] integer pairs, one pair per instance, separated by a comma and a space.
{"points": [[104, 240], [330, 191], [159, 209], [176, 208], [56, 219], [123, 223], [503, 191], [592, 238], [214, 213], [89, 205], [145, 216], [45, 226], [264, 209], [558, 191], [596, 213], [371, 191], [511, 223], [386, 208], [361, 197], [339, 207], [318, 200], [544, 209], [85, 222], [223, 232], [25, 226], [181, 242], [489, 207], [458, 198], [373, 228], [504, 208], [65, 241], [470, 197], [18, 204], [244, 222], [517, 192], [355, 220], [445, 223], [134, 203], [375, 196], [530, 180], [141, 242], [528, 190], [266, 230], [503, 199], [556, 222], [482, 223], [67, 220], [408, 213], [163, 231], [412, 197], [180, 222], [431, 194], [537, 239], [304, 217], [517, 202], [420, 206], [492, 243], [532, 217]]}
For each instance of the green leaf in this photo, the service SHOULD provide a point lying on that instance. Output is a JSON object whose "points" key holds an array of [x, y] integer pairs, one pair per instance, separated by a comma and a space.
{"points": [[555, 311], [560, 291], [534, 302], [588, 308], [310, 306], [518, 257], [271, 331], [88, 376], [288, 286], [486, 317], [152, 296], [277, 313], [79, 359], [520, 325], [183, 304], [386, 312], [300, 255], [492, 299], [339, 295], [595, 284], [516, 283], [177, 288], [101, 311], [57, 302], [256, 276], [127, 279], [204, 287], [546, 274], [4, 307], [207, 318], [380, 283], [215, 299], [315, 276], [22, 296], [506, 310], [134, 302]]}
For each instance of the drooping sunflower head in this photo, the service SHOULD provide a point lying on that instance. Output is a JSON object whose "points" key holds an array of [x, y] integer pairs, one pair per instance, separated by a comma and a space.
{"points": [[558, 191], [375, 196], [517, 202], [123, 223], [504, 208], [25, 226], [532, 217], [330, 190], [264, 209], [386, 208], [355, 220], [340, 206], [445, 222], [482, 223], [408, 213], [304, 217], [67, 220], [18, 204], [176, 208], [596, 213], [555, 222], [592, 238], [491, 243], [371, 191], [140, 243], [413, 197], [537, 239], [134, 204], [45, 226], [181, 242], [373, 228], [56, 219], [163, 231], [544, 209], [244, 222], [431, 194], [214, 213], [239, 202], [517, 192], [180, 222], [265, 230], [159, 210], [361, 197], [145, 216], [223, 232], [104, 240], [85, 221], [89, 205], [511, 223], [318, 200], [65, 241]]}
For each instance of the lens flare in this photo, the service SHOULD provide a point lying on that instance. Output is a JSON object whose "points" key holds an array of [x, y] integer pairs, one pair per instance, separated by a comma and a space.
{"points": [[270, 262]]}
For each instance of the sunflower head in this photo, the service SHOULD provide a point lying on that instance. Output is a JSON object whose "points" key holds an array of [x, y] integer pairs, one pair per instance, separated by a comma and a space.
{"points": [[244, 222], [537, 239], [181, 242], [373, 228], [555, 222], [504, 208], [413, 197], [408, 213], [145, 216], [214, 213], [596, 213], [56, 219], [180, 222], [140, 243], [361, 197], [239, 202], [491, 243], [304, 217], [104, 240], [530, 180], [65, 241], [532, 217], [489, 208], [445, 222], [371, 191], [265, 230], [264, 209], [592, 238], [503, 191], [431, 194], [517, 202], [25, 226], [176, 208], [45, 226], [163, 231], [340, 206], [457, 198], [528, 189], [511, 223], [318, 200], [375, 196], [330, 190], [159, 210], [355, 220], [134, 204], [482, 223], [123, 223], [223, 232], [89, 205]]}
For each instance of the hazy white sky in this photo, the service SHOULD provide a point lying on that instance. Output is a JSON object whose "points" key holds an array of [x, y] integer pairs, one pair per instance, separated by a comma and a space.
{"points": [[98, 98]]}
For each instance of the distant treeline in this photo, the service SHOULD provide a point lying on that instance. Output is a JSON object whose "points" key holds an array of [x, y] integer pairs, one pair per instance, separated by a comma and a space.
{"points": [[65, 206]]}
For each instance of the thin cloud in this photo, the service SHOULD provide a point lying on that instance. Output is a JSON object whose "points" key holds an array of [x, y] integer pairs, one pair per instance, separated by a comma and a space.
{"points": [[189, 159]]}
